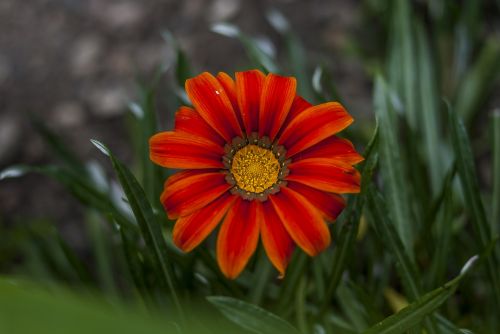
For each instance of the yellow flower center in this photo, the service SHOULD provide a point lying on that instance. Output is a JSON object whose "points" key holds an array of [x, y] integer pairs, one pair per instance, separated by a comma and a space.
{"points": [[255, 169]]}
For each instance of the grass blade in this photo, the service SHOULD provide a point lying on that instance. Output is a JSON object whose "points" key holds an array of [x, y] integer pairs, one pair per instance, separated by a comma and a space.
{"points": [[495, 206], [429, 103], [478, 82], [351, 216], [392, 167], [150, 229], [473, 202], [418, 310], [251, 317]]}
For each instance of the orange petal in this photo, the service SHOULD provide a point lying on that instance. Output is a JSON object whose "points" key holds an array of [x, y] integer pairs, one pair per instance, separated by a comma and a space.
{"points": [[298, 106], [313, 125], [187, 120], [212, 103], [338, 150], [238, 236], [180, 150], [321, 174], [190, 231], [249, 90], [230, 87], [277, 242], [189, 191], [302, 220], [330, 205], [277, 97]]}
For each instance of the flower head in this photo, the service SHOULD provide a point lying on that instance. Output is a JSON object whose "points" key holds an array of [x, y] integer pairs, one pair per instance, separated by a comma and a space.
{"points": [[262, 160]]}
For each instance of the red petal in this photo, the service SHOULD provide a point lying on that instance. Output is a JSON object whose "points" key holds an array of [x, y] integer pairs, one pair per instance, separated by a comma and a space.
{"points": [[190, 231], [230, 87], [329, 204], [338, 150], [322, 175], [277, 242], [212, 103], [180, 150], [189, 191], [238, 236], [277, 97], [302, 221], [249, 90], [298, 106], [313, 125], [187, 120]]}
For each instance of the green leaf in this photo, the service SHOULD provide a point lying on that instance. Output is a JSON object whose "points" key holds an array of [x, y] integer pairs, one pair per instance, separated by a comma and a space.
{"points": [[428, 89], [255, 52], [150, 228], [495, 215], [403, 75], [478, 82], [407, 269], [81, 188], [472, 194], [251, 317], [418, 310], [350, 222], [392, 165]]}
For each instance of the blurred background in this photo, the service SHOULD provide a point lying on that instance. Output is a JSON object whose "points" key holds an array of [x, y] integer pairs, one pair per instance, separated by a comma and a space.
{"points": [[74, 64]]}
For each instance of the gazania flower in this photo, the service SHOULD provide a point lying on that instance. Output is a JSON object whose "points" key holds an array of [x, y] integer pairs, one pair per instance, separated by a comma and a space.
{"points": [[260, 159]]}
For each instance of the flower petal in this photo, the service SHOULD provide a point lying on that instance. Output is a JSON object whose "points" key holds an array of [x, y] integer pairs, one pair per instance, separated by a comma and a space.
{"points": [[190, 231], [212, 103], [230, 87], [302, 221], [277, 97], [249, 90], [238, 236], [178, 150], [338, 150], [277, 242], [322, 175], [298, 106], [187, 120], [189, 191], [313, 125], [330, 205]]}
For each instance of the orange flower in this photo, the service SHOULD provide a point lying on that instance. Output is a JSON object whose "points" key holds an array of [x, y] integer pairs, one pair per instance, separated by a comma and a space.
{"points": [[262, 159]]}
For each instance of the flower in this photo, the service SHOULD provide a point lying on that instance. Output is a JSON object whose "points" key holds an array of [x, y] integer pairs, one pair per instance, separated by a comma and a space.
{"points": [[261, 159]]}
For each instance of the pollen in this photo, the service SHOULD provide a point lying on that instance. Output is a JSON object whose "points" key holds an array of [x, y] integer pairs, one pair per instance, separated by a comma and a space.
{"points": [[255, 169]]}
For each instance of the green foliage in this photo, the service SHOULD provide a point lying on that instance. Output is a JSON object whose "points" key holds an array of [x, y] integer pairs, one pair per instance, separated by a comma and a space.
{"points": [[419, 216]]}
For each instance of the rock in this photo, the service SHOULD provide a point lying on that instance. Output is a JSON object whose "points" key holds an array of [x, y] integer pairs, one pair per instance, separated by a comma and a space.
{"points": [[108, 101], [68, 114], [84, 55]]}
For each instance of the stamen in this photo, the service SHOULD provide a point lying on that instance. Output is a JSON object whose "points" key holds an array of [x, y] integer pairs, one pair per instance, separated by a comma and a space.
{"points": [[255, 167]]}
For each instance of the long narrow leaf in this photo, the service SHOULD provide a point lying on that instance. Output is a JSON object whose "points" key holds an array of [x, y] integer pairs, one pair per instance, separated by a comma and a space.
{"points": [[150, 229], [351, 216], [392, 166], [495, 203], [473, 202], [418, 310], [251, 317]]}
